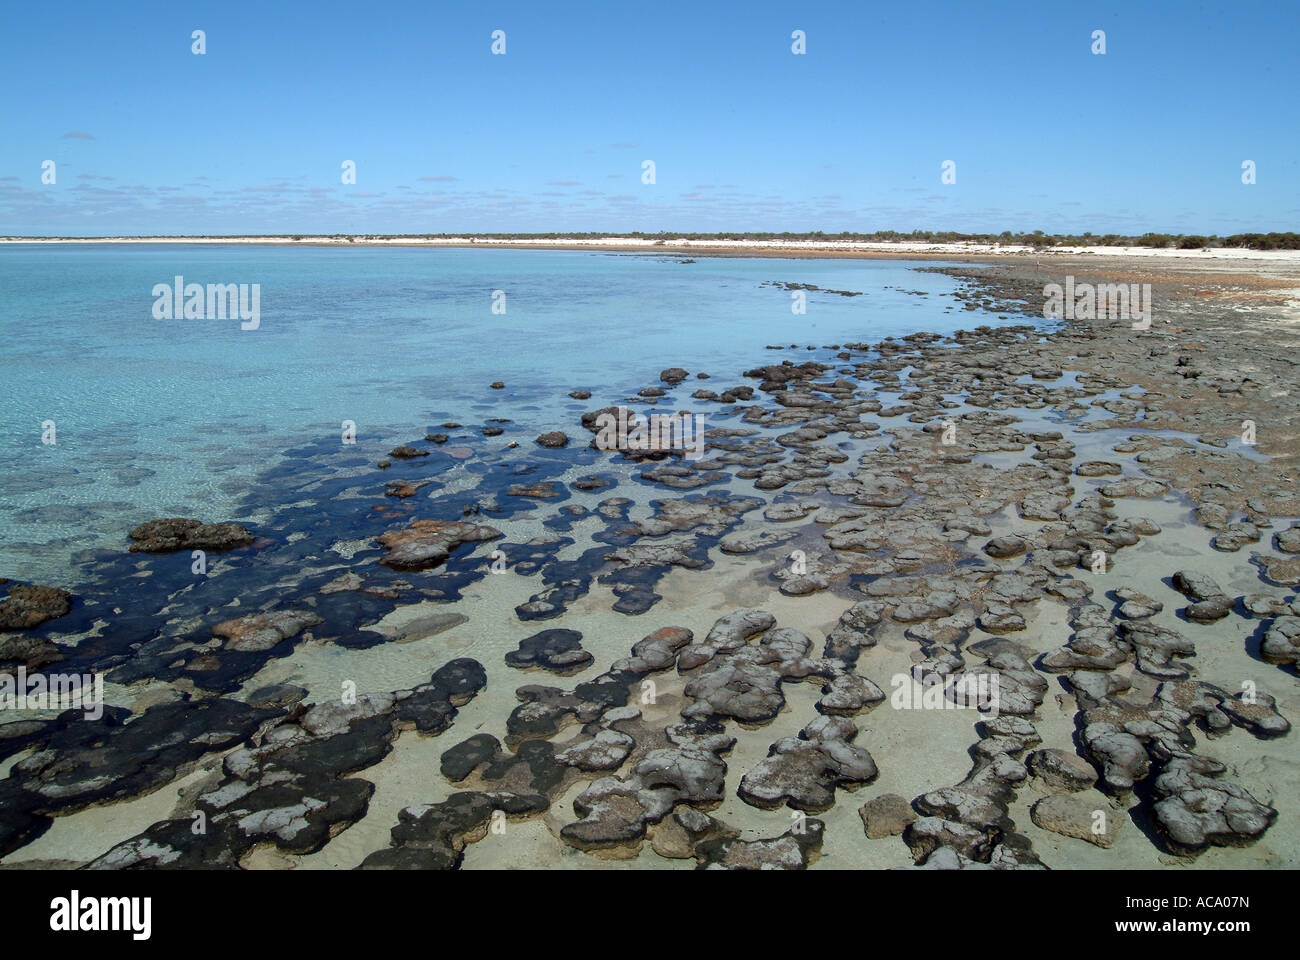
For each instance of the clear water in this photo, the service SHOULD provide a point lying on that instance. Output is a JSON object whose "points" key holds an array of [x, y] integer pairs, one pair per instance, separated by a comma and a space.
{"points": [[178, 417]]}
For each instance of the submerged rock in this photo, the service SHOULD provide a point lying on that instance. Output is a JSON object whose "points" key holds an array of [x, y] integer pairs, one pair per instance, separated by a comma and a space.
{"points": [[257, 632], [427, 543], [178, 533], [28, 605], [434, 836], [558, 651], [534, 491], [33, 653], [343, 583], [84, 762], [533, 769], [1003, 547], [407, 452], [291, 787]]}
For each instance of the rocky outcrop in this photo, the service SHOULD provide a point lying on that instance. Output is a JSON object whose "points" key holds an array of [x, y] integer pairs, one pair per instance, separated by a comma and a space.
{"points": [[804, 771], [795, 849], [179, 533], [292, 787], [32, 653], [616, 812], [428, 543], [556, 651], [257, 632], [434, 836], [29, 605], [1195, 804]]}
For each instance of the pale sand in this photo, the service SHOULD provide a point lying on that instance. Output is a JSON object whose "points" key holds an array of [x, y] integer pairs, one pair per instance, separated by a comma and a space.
{"points": [[865, 249]]}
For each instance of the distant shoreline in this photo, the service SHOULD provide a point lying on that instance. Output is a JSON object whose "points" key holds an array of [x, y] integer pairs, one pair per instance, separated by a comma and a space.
{"points": [[859, 249]]}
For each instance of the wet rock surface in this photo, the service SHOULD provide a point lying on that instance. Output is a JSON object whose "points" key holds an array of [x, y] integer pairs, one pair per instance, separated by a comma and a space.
{"points": [[262, 631], [31, 653], [27, 605], [179, 533], [427, 543], [557, 651], [290, 788], [434, 837]]}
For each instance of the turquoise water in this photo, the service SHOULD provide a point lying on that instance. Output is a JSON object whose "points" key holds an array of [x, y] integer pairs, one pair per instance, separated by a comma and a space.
{"points": [[178, 417]]}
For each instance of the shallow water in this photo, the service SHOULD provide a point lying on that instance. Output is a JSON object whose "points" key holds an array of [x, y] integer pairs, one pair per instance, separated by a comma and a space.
{"points": [[180, 417]]}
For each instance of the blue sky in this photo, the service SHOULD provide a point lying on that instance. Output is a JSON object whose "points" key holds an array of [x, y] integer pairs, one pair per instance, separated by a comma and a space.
{"points": [[149, 138]]}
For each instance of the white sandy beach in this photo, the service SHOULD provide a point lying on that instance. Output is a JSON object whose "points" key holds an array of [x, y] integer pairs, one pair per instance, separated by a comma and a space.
{"points": [[842, 248]]}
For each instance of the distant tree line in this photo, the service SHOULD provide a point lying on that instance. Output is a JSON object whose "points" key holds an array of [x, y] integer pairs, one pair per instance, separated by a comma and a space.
{"points": [[1254, 241], [1037, 239]]}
